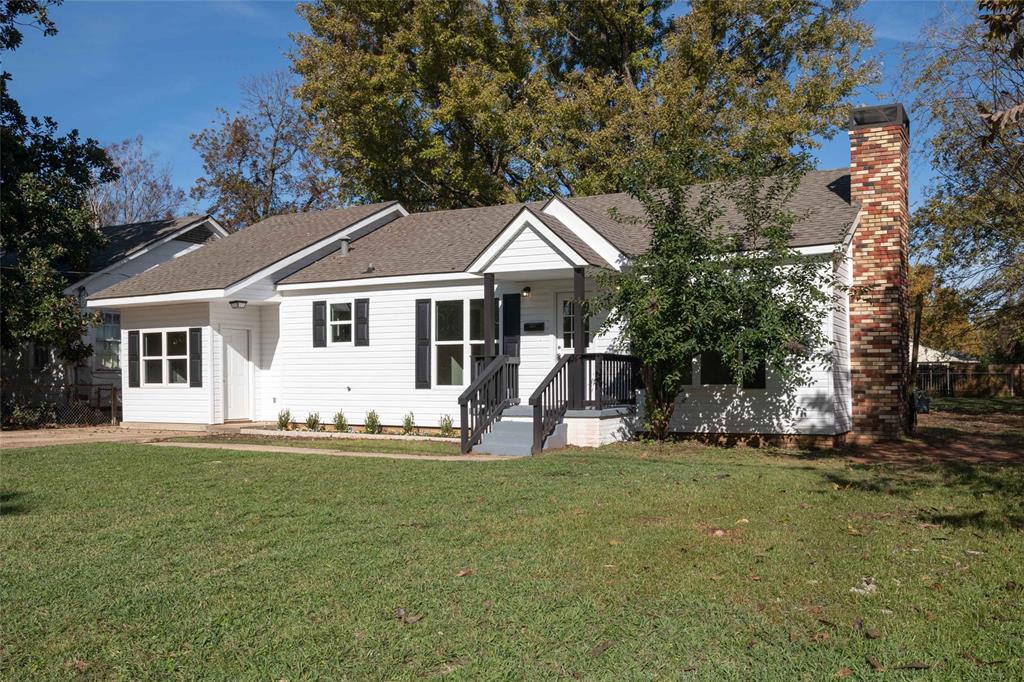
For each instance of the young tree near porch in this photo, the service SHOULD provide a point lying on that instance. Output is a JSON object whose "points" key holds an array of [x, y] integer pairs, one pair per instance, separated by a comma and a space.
{"points": [[719, 278]]}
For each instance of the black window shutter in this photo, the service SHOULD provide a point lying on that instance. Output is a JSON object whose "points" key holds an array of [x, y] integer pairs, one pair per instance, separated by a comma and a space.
{"points": [[362, 322], [133, 359], [759, 380], [319, 324], [195, 357], [423, 343]]}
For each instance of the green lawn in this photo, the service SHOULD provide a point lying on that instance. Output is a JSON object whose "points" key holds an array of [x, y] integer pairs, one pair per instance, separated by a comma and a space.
{"points": [[405, 447], [979, 405], [133, 561]]}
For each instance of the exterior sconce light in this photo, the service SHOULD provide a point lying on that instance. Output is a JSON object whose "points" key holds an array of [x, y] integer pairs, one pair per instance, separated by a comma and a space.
{"points": [[526, 292], [238, 305]]}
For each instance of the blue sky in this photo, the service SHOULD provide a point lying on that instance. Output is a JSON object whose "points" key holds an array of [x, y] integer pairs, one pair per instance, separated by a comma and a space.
{"points": [[161, 69]]}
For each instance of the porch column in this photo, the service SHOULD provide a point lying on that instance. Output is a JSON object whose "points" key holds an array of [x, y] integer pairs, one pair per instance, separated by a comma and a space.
{"points": [[578, 337], [489, 315]]}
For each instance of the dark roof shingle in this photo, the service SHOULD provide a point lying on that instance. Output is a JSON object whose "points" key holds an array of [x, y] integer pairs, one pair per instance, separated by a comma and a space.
{"points": [[226, 261]]}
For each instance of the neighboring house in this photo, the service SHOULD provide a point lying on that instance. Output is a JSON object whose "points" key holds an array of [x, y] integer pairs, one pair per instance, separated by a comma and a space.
{"points": [[372, 308], [931, 356], [35, 373]]}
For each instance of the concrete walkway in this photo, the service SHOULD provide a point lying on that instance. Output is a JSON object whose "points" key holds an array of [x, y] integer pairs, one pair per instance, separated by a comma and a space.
{"points": [[333, 453]]}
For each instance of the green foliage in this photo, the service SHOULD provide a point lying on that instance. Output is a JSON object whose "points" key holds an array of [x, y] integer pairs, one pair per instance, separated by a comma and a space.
{"points": [[340, 422], [447, 430], [47, 231], [971, 225], [18, 414], [719, 277], [313, 421], [453, 104], [372, 423], [409, 425], [284, 420]]}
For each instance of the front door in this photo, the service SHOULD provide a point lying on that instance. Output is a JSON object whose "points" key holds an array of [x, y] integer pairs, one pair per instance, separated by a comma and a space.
{"points": [[236, 374], [566, 312], [510, 325]]}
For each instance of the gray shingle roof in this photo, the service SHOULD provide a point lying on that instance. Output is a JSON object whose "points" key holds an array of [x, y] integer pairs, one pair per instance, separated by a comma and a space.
{"points": [[824, 196], [124, 240], [226, 261]]}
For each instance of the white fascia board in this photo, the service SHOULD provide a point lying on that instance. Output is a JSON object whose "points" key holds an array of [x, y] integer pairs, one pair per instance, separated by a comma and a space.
{"points": [[604, 248], [314, 247], [70, 291], [523, 220], [817, 250], [220, 229], [152, 299], [382, 281]]}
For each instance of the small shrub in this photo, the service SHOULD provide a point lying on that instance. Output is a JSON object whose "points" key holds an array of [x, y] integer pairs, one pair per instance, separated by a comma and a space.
{"points": [[447, 429], [340, 423], [284, 420], [372, 423], [25, 415], [408, 424], [313, 421]]}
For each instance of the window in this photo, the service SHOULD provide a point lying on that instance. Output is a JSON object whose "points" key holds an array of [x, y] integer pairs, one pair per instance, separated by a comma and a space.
{"points": [[40, 356], [341, 323], [449, 340], [108, 341], [568, 315], [715, 372], [476, 327], [165, 357]]}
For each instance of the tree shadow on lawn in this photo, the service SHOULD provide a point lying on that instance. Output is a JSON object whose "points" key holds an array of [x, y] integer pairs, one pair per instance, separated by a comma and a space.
{"points": [[12, 503]]}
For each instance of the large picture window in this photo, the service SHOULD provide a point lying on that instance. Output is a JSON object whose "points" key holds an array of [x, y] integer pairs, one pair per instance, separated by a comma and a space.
{"points": [[458, 336], [108, 341], [165, 357]]}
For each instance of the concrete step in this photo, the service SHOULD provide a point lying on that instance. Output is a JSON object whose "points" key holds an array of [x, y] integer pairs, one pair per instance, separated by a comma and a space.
{"points": [[514, 438]]}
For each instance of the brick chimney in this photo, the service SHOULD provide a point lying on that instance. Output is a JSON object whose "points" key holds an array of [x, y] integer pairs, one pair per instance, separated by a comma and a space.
{"points": [[879, 326]]}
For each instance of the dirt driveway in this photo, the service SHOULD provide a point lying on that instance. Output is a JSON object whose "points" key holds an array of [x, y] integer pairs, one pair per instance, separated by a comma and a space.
{"points": [[31, 438]]}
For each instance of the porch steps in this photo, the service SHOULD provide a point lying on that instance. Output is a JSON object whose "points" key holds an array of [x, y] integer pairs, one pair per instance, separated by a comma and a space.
{"points": [[512, 436]]}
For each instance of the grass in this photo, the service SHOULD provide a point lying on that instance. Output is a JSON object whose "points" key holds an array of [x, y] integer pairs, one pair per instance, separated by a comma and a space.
{"points": [[975, 406], [132, 561], [406, 447]]}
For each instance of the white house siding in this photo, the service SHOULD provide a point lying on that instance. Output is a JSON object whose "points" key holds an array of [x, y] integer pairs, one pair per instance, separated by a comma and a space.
{"points": [[168, 404], [223, 316], [841, 382], [381, 376], [776, 409], [268, 364], [527, 252]]}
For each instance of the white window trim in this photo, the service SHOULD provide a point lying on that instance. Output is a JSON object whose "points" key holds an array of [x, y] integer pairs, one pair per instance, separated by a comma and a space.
{"points": [[117, 339], [559, 319], [351, 322], [467, 342], [165, 376]]}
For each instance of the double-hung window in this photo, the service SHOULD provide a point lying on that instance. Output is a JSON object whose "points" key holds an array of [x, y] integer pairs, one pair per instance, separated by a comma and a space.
{"points": [[453, 337], [341, 322], [165, 357], [108, 340], [568, 312]]}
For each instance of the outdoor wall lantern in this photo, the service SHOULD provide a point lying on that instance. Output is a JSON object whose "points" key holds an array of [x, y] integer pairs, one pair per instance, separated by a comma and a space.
{"points": [[237, 305], [526, 292]]}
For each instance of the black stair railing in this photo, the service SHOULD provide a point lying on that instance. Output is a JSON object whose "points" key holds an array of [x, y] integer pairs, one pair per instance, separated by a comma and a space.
{"points": [[610, 379], [494, 388], [550, 401]]}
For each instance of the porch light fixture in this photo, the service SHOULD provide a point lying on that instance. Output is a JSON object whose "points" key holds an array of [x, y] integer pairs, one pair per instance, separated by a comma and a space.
{"points": [[526, 292], [237, 305]]}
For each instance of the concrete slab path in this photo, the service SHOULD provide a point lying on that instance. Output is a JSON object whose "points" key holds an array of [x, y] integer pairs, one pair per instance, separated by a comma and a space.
{"points": [[243, 447]]}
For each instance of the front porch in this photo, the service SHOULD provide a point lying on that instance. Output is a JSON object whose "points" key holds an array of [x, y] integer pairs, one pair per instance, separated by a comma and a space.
{"points": [[583, 398]]}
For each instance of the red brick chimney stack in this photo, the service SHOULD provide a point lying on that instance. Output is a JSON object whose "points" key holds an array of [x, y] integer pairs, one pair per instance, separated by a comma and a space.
{"points": [[879, 326]]}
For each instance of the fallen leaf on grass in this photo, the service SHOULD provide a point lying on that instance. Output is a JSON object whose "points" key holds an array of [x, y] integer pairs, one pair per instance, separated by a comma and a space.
{"points": [[793, 636], [914, 665], [76, 664], [407, 618], [873, 662], [853, 531], [867, 586], [874, 633], [742, 521], [600, 648], [978, 662], [829, 623], [844, 672], [615, 542], [464, 573], [822, 636], [858, 624]]}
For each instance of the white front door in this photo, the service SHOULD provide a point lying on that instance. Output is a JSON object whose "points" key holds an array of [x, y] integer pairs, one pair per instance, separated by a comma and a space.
{"points": [[236, 374]]}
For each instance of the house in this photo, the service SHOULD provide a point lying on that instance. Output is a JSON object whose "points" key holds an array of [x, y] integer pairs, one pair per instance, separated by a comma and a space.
{"points": [[35, 373], [470, 314]]}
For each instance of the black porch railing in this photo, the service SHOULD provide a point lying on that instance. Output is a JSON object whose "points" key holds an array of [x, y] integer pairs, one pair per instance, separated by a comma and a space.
{"points": [[494, 388], [590, 380]]}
